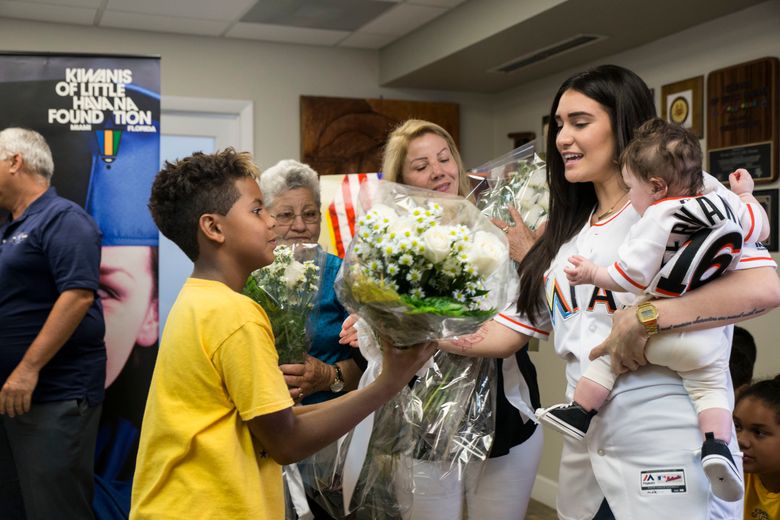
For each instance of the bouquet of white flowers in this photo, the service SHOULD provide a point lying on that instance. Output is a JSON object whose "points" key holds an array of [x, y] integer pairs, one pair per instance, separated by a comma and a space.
{"points": [[424, 266], [287, 290], [518, 179]]}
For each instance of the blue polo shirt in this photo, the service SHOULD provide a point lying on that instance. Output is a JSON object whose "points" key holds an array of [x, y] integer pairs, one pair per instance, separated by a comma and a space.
{"points": [[52, 247]]}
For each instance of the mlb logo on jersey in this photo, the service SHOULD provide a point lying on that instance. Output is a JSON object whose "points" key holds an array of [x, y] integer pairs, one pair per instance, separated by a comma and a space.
{"points": [[662, 481]]}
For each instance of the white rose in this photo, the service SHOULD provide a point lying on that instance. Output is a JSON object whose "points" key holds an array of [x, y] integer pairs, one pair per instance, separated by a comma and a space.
{"points": [[293, 274], [486, 253], [437, 241]]}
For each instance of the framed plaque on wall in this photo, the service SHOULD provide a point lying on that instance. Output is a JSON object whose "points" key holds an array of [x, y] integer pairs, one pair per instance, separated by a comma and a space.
{"points": [[768, 199], [681, 104], [347, 135], [742, 120]]}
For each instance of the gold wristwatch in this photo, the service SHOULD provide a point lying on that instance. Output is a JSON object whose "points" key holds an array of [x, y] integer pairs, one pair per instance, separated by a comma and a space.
{"points": [[647, 315], [338, 383]]}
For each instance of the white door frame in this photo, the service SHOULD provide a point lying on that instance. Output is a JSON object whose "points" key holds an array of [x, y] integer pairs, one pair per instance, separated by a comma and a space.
{"points": [[228, 122], [240, 109]]}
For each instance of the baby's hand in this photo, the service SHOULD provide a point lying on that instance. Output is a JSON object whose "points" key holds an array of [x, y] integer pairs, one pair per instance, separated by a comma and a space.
{"points": [[741, 181], [581, 272]]}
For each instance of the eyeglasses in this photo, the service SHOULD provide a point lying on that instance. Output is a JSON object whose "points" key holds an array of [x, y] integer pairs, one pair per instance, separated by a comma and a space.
{"points": [[309, 216]]}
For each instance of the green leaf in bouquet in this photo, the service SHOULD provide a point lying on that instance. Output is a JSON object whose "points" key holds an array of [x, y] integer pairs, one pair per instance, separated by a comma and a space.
{"points": [[442, 306]]}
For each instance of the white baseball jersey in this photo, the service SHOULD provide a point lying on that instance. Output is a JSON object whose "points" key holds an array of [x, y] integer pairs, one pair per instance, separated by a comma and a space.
{"points": [[643, 455], [671, 224]]}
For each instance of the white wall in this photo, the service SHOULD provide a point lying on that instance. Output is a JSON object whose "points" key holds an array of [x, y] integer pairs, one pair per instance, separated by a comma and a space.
{"points": [[271, 75], [744, 36]]}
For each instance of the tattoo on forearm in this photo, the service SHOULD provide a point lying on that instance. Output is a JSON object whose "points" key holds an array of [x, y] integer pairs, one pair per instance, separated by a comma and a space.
{"points": [[714, 319]]}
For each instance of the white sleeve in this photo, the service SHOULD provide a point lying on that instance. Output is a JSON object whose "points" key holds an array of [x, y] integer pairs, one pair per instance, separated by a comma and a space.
{"points": [[748, 214], [753, 253], [641, 255], [509, 317]]}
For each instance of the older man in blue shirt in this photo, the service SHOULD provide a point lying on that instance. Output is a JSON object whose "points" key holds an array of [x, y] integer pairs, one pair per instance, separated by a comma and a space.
{"points": [[52, 355]]}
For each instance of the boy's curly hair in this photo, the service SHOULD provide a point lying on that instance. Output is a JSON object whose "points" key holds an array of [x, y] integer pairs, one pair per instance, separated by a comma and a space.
{"points": [[188, 188]]}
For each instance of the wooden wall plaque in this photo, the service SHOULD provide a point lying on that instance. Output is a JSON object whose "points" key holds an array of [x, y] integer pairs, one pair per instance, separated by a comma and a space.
{"points": [[347, 135], [742, 119]]}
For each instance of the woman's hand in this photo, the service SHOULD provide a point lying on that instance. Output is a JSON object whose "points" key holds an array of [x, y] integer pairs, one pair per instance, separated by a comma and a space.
{"points": [[308, 378], [520, 237], [349, 334], [626, 342]]}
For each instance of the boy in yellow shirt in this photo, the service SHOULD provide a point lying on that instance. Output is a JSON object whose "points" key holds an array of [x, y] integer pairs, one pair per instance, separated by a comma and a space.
{"points": [[219, 419]]}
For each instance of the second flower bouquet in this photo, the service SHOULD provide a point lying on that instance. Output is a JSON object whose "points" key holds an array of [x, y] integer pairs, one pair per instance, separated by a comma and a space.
{"points": [[519, 179], [287, 290], [424, 266]]}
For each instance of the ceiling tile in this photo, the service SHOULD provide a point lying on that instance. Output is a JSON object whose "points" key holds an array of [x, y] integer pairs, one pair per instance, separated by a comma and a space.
{"points": [[47, 12], [334, 15], [206, 9], [169, 24], [73, 3], [437, 3], [402, 19], [278, 33], [362, 40]]}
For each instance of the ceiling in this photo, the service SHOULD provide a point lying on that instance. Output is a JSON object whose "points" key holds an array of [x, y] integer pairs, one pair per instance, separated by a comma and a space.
{"points": [[368, 24], [419, 42]]}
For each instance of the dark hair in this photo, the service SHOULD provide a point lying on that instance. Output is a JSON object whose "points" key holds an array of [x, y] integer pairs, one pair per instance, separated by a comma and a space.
{"points": [[667, 151], [193, 186], [629, 103], [742, 358], [766, 391]]}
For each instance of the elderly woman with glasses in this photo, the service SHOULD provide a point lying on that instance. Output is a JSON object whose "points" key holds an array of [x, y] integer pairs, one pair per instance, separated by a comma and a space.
{"points": [[292, 194]]}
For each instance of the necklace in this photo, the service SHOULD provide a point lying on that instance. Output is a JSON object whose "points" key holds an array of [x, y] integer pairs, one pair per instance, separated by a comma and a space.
{"points": [[611, 210]]}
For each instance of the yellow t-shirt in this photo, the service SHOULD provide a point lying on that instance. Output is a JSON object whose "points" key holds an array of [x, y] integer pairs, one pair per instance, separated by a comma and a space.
{"points": [[760, 504], [217, 368]]}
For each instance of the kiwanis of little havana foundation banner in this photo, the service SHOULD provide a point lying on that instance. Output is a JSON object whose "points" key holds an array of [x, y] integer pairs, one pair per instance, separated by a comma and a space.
{"points": [[101, 117]]}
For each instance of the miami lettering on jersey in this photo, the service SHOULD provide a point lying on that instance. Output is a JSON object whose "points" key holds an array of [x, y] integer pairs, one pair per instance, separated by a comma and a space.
{"points": [[567, 306]]}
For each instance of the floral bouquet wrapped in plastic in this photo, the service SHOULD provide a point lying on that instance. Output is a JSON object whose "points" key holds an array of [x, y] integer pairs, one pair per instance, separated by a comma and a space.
{"points": [[287, 290], [424, 266], [518, 179]]}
